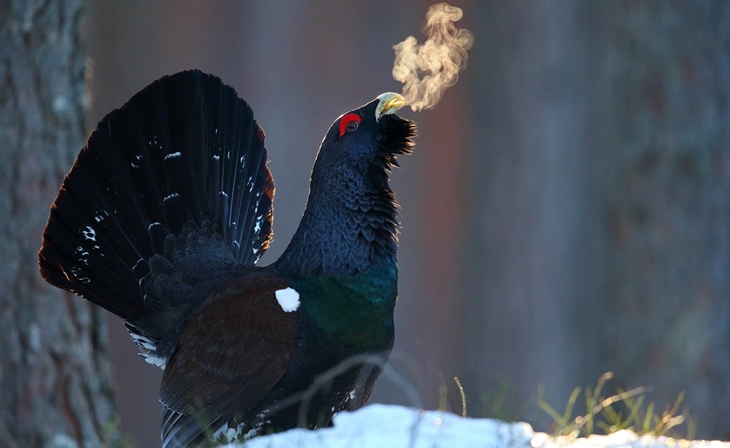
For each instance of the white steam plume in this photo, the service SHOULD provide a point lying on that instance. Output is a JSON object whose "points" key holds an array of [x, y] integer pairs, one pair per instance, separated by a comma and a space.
{"points": [[428, 69]]}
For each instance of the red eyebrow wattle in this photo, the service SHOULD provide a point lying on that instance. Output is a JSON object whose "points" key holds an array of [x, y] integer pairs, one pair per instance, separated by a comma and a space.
{"points": [[346, 120]]}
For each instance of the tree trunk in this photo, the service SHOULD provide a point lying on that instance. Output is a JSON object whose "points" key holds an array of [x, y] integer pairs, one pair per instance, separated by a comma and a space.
{"points": [[55, 387], [666, 202], [530, 258], [600, 237]]}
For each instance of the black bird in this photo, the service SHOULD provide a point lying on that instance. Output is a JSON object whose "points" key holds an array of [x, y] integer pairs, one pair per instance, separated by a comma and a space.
{"points": [[161, 220]]}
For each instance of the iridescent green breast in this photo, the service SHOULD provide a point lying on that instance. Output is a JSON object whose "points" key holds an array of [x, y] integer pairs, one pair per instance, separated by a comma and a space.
{"points": [[355, 310]]}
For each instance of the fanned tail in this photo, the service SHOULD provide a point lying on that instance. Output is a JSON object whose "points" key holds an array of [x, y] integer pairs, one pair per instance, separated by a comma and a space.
{"points": [[170, 197]]}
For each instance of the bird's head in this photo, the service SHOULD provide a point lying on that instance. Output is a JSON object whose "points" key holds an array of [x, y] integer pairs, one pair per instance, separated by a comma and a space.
{"points": [[370, 136], [350, 223]]}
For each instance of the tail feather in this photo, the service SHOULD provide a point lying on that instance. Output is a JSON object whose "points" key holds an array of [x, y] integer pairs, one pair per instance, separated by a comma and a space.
{"points": [[54, 262], [174, 181], [86, 256]]}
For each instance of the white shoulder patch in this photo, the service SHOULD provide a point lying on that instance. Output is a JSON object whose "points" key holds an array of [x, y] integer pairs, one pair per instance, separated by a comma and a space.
{"points": [[288, 299]]}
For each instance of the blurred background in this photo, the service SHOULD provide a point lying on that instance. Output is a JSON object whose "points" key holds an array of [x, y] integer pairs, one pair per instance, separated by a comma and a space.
{"points": [[566, 211]]}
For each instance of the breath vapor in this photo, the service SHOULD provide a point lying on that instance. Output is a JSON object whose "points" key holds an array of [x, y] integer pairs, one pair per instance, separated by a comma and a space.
{"points": [[427, 69]]}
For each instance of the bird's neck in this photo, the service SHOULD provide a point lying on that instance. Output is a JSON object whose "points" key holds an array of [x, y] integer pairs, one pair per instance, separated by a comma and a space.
{"points": [[343, 258], [348, 229]]}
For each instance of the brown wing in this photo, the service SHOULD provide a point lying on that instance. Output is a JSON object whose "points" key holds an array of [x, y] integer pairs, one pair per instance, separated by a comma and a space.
{"points": [[229, 356]]}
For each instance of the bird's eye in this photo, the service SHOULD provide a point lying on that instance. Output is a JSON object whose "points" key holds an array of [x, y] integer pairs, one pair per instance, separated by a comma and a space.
{"points": [[349, 123]]}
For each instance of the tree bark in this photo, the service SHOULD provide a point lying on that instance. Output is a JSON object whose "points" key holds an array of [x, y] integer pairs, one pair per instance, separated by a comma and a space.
{"points": [[55, 386]]}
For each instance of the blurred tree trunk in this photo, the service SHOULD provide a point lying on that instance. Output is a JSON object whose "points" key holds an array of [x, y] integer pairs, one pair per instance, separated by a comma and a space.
{"points": [[665, 199], [531, 249], [55, 387], [600, 238]]}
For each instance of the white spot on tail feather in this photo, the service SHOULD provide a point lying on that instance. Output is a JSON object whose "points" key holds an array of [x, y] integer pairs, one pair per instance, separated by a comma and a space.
{"points": [[288, 299], [173, 154], [154, 360], [226, 434], [149, 347], [143, 342], [251, 433], [89, 233], [78, 274], [136, 265]]}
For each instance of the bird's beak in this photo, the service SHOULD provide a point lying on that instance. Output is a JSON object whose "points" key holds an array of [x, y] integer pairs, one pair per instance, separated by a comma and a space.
{"points": [[389, 103]]}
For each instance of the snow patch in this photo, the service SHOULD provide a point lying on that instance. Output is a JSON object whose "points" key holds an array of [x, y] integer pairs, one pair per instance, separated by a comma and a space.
{"points": [[288, 299], [226, 433], [378, 426]]}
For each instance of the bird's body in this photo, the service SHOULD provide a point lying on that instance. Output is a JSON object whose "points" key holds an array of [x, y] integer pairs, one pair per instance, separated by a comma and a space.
{"points": [[161, 221]]}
